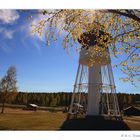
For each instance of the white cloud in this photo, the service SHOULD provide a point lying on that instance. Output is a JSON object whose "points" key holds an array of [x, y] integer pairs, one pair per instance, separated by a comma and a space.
{"points": [[36, 20], [8, 16], [6, 33]]}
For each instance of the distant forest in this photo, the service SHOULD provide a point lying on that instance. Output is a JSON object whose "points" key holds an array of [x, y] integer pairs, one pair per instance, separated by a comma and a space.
{"points": [[64, 98]]}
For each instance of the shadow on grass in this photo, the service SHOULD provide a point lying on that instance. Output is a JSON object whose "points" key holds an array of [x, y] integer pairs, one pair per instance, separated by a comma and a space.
{"points": [[5, 128], [93, 123]]}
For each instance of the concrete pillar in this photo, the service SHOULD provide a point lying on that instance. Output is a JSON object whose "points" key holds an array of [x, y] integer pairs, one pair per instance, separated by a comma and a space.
{"points": [[94, 90]]}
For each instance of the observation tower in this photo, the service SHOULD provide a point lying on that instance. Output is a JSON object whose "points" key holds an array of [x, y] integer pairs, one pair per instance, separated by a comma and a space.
{"points": [[94, 91]]}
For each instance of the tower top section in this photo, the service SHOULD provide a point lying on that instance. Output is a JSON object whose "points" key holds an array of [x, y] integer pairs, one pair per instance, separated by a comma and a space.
{"points": [[95, 45], [95, 37]]}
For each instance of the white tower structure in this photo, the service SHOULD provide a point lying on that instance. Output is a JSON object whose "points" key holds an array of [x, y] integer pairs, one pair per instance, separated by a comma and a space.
{"points": [[94, 91]]}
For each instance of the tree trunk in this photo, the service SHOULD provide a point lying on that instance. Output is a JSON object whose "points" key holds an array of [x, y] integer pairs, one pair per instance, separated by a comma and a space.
{"points": [[3, 105]]}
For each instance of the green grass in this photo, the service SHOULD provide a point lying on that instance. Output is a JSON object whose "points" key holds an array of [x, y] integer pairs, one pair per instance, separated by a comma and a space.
{"points": [[18, 119]]}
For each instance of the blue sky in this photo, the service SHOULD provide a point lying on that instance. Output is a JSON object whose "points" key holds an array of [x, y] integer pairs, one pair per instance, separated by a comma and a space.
{"points": [[39, 68]]}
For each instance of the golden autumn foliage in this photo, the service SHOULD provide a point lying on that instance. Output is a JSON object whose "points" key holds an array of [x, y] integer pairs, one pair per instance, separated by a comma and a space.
{"points": [[122, 25]]}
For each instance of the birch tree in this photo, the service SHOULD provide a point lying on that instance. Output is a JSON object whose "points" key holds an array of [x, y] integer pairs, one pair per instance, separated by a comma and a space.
{"points": [[122, 25], [8, 89]]}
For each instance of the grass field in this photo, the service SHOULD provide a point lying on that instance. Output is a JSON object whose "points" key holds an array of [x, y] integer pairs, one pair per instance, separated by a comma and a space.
{"points": [[18, 119]]}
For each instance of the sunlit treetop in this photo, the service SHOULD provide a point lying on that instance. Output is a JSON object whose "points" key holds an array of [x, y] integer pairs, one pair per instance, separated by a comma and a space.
{"points": [[122, 25]]}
